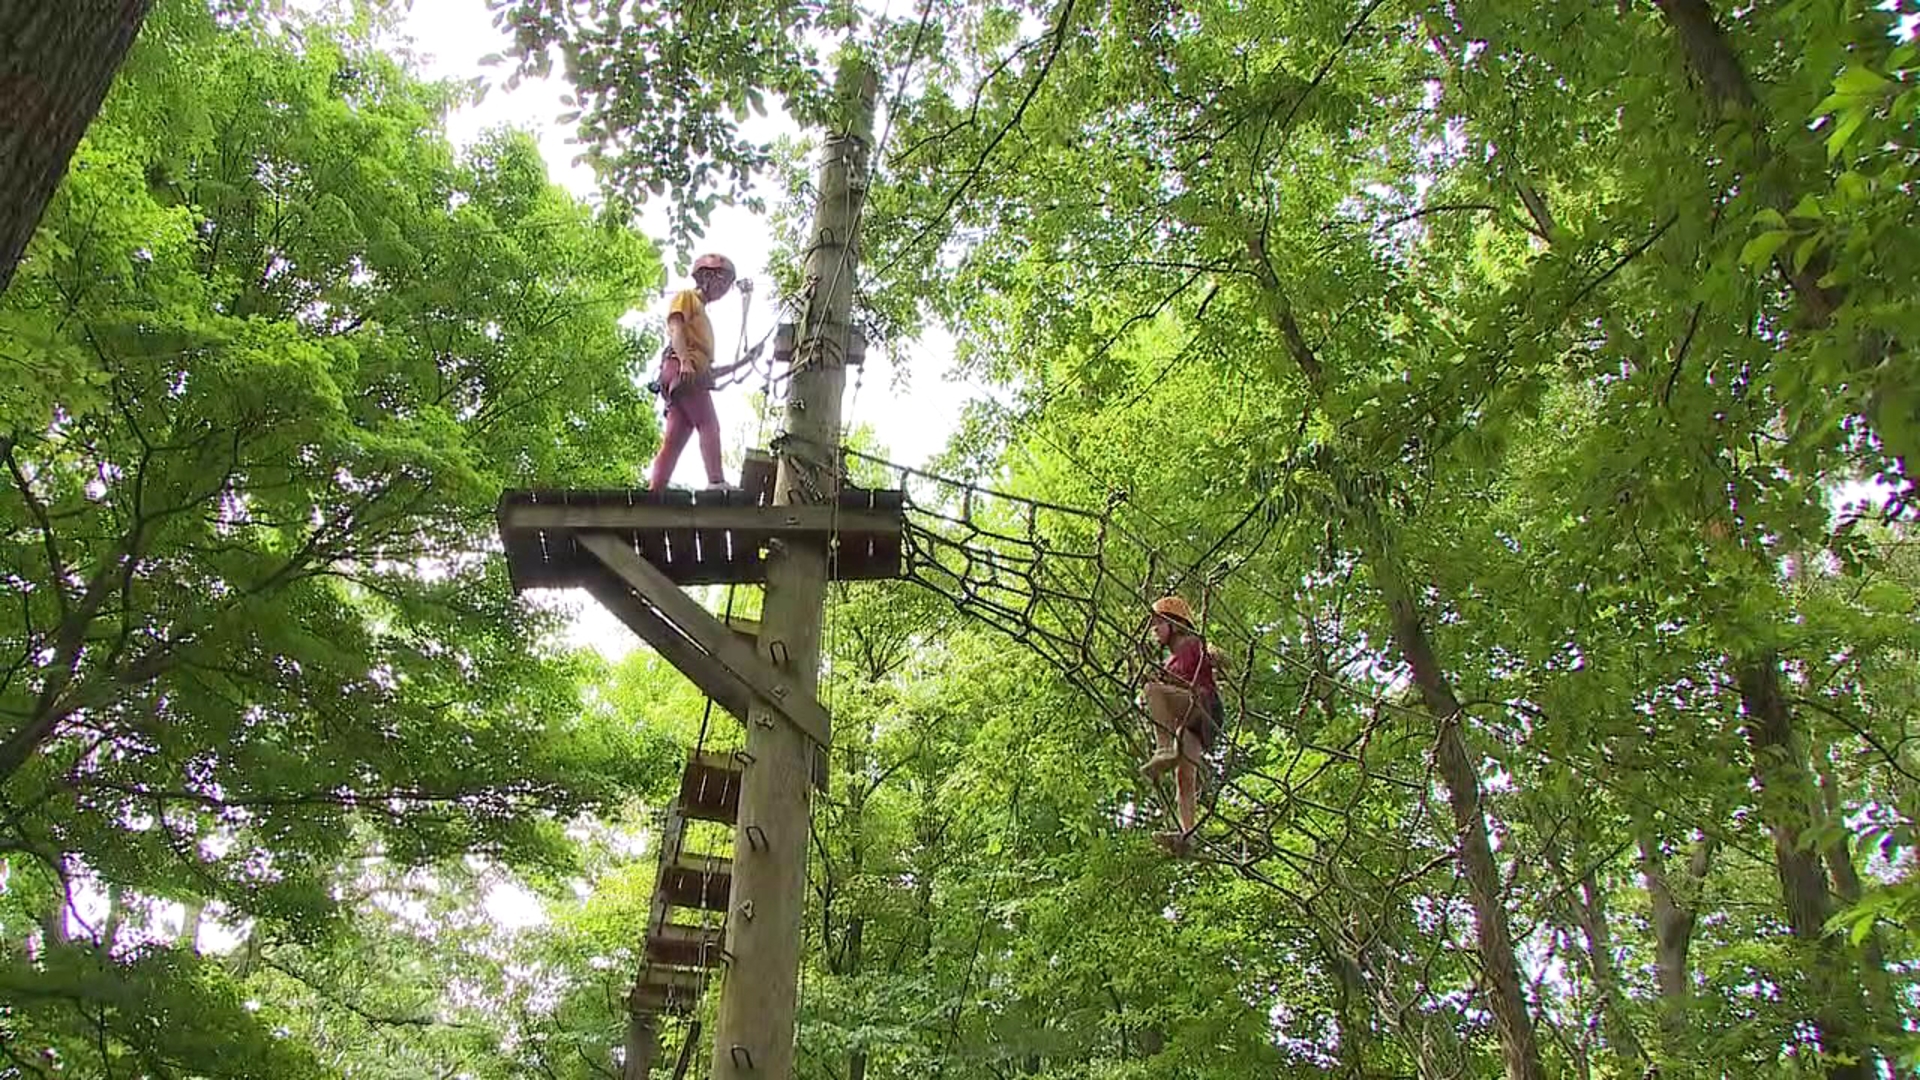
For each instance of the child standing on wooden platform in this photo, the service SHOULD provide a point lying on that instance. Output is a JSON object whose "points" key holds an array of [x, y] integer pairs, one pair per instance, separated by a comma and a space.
{"points": [[687, 374], [1184, 703]]}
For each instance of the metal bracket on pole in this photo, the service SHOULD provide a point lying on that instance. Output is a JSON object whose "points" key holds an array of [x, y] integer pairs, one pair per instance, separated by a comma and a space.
{"points": [[740, 1054], [756, 838]]}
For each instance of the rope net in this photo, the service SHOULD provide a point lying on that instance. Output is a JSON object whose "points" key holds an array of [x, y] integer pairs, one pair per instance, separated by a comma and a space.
{"points": [[1319, 784]]}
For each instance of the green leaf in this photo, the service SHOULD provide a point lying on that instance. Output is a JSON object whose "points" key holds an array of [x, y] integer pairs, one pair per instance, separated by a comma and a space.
{"points": [[1803, 254], [1860, 81], [1761, 248], [1861, 930], [1844, 131]]}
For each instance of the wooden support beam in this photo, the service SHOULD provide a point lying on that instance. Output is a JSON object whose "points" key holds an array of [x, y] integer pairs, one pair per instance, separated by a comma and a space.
{"points": [[780, 693], [710, 787], [641, 1046], [785, 336], [666, 989], [748, 629], [714, 678], [652, 517], [696, 882]]}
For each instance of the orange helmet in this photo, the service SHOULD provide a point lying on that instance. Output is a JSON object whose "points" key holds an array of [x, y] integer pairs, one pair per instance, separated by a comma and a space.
{"points": [[715, 261], [1173, 608]]}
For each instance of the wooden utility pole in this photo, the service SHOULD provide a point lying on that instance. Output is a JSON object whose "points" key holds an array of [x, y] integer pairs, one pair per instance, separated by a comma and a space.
{"points": [[753, 1033]]}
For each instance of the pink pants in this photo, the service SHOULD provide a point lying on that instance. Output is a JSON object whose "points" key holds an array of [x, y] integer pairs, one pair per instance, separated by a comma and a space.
{"points": [[691, 412]]}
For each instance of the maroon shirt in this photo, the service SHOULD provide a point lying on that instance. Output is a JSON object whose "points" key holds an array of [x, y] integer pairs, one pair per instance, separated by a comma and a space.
{"points": [[1191, 665]]}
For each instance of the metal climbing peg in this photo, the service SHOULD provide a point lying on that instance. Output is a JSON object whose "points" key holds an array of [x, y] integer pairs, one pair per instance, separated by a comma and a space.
{"points": [[757, 838], [746, 910], [738, 1052]]}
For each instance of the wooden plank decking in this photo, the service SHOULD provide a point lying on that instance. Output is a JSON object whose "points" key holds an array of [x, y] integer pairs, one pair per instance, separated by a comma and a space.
{"points": [[695, 538]]}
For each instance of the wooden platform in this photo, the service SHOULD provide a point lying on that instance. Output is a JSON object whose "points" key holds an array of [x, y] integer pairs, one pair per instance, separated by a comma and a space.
{"points": [[694, 537]]}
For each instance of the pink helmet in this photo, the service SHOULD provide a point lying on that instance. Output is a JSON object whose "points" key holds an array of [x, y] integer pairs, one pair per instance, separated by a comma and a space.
{"points": [[714, 261]]}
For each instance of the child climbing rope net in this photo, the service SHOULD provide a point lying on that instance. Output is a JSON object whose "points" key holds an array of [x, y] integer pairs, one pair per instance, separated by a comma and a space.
{"points": [[1183, 703]]}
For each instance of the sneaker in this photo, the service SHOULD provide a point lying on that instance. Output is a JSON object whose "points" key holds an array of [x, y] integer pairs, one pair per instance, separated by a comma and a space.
{"points": [[724, 486], [1160, 762]]}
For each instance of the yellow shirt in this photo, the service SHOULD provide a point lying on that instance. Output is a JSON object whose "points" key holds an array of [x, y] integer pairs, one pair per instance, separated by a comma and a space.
{"points": [[699, 329]]}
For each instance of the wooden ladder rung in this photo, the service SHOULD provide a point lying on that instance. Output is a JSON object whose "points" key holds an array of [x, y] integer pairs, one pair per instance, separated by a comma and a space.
{"points": [[681, 945], [663, 988], [710, 787], [696, 881]]}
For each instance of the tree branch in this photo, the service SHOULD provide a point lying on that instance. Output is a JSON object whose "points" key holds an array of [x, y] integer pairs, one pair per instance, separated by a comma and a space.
{"points": [[1059, 38]]}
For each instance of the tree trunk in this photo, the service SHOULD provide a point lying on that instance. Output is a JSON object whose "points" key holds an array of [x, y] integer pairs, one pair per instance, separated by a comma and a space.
{"points": [[1717, 66], [1519, 1045], [1874, 980], [1786, 808], [857, 1058], [1674, 916], [1709, 53], [1631, 1057], [116, 909], [56, 61], [246, 959], [53, 927], [190, 920]]}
